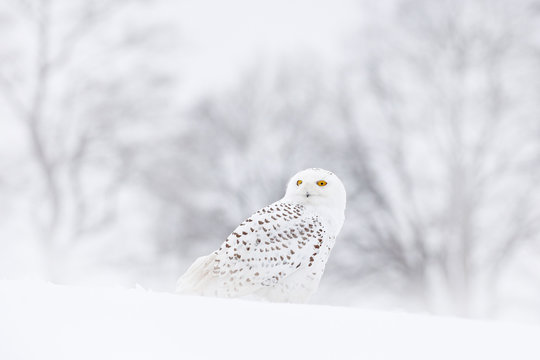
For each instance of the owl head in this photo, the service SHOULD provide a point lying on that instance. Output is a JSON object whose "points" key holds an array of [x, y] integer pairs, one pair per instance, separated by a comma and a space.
{"points": [[316, 187]]}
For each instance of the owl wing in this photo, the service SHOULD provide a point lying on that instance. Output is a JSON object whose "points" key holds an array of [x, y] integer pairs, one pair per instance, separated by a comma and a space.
{"points": [[267, 247]]}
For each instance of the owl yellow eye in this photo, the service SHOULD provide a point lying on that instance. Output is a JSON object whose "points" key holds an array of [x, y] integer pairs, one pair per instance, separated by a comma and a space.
{"points": [[298, 182], [321, 183]]}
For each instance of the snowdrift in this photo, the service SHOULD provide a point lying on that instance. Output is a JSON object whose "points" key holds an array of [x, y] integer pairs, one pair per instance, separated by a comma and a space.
{"points": [[45, 321]]}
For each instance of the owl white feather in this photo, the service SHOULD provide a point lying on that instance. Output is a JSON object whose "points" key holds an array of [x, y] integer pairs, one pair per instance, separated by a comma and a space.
{"points": [[280, 252]]}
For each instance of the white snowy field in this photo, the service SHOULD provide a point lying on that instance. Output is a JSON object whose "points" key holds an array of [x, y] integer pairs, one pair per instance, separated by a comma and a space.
{"points": [[45, 321]]}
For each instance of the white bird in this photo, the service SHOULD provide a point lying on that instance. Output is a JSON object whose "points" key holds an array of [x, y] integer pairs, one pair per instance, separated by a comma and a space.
{"points": [[280, 252]]}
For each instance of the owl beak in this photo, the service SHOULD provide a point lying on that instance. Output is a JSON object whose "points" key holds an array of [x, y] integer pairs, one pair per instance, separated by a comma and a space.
{"points": [[307, 194]]}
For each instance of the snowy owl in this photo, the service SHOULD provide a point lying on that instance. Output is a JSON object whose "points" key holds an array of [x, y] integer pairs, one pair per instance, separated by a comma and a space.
{"points": [[279, 253]]}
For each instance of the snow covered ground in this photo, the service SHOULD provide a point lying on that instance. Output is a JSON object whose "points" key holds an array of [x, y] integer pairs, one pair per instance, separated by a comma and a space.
{"points": [[45, 321]]}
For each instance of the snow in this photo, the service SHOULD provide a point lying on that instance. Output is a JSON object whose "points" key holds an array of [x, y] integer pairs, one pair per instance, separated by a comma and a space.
{"points": [[45, 321]]}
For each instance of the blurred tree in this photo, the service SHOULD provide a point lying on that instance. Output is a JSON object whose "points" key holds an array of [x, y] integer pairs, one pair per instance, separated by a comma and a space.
{"points": [[237, 152], [443, 84], [77, 83]]}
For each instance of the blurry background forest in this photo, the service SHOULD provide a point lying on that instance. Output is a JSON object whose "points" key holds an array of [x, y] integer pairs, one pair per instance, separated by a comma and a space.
{"points": [[136, 134]]}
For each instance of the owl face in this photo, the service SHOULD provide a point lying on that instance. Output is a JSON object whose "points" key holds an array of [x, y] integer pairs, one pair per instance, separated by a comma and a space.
{"points": [[316, 187]]}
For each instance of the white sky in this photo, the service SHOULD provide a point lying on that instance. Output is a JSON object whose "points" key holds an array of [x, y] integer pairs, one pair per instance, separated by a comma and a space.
{"points": [[220, 38]]}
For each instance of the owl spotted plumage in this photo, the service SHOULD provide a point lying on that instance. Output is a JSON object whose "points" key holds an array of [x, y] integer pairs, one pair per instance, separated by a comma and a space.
{"points": [[280, 252]]}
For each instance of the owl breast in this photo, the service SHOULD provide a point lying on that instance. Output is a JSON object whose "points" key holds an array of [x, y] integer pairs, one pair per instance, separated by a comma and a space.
{"points": [[279, 253], [301, 284]]}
